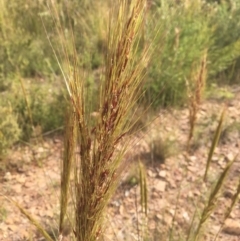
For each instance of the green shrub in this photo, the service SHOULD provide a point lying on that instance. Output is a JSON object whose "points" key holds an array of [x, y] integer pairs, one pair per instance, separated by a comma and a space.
{"points": [[25, 53], [24, 43], [185, 35], [225, 50]]}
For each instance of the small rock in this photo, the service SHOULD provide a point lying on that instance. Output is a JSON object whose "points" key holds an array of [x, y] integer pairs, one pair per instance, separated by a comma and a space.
{"points": [[215, 158], [152, 225], [151, 173], [192, 169], [17, 188], [232, 215], [172, 211], [40, 150], [167, 219], [192, 158], [154, 194], [214, 229], [230, 156], [172, 184], [7, 177], [56, 140], [21, 179], [121, 209], [232, 227], [162, 174], [196, 193], [160, 186], [228, 194], [222, 164], [28, 184], [186, 216], [116, 203], [127, 193], [190, 194]]}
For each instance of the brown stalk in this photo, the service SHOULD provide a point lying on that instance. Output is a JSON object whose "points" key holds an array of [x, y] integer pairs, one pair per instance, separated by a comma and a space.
{"points": [[98, 167], [195, 96], [69, 149]]}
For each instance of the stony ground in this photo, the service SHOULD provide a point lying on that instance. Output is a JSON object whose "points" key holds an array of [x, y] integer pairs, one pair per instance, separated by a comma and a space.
{"points": [[174, 177]]}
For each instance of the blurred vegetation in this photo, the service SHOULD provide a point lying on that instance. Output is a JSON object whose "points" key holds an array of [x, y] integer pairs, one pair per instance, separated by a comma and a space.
{"points": [[187, 31], [31, 88], [9, 129]]}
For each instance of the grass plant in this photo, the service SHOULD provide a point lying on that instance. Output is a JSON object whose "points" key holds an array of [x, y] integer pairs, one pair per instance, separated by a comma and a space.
{"points": [[97, 167]]}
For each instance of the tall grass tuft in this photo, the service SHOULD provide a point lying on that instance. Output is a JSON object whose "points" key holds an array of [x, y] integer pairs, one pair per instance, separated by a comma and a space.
{"points": [[97, 166]]}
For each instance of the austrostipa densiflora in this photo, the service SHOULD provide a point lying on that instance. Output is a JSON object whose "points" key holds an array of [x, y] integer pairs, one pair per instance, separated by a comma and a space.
{"points": [[93, 151], [96, 168]]}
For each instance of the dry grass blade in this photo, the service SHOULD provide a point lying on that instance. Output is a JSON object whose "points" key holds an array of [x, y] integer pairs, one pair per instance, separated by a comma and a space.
{"points": [[214, 143], [233, 203], [32, 220], [191, 226], [212, 201], [56, 19], [234, 198], [143, 188], [172, 226], [69, 149]]}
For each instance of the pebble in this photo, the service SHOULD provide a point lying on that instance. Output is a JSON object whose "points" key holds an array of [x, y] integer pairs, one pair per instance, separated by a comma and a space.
{"points": [[7, 177]]}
